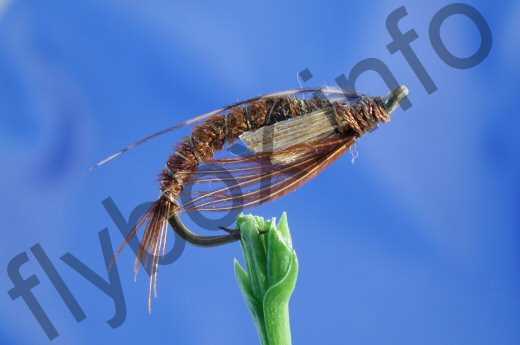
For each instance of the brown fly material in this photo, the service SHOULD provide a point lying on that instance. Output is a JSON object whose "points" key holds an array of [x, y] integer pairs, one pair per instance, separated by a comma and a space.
{"points": [[292, 137]]}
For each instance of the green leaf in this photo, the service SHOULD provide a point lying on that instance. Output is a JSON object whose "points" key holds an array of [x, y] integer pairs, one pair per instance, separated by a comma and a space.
{"points": [[281, 292], [253, 303], [283, 228], [279, 256], [255, 254]]}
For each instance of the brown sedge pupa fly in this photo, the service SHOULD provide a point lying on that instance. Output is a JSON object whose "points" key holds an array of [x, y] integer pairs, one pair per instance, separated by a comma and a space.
{"points": [[292, 136]]}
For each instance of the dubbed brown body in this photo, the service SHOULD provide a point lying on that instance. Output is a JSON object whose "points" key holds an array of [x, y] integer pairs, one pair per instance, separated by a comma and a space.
{"points": [[354, 119]]}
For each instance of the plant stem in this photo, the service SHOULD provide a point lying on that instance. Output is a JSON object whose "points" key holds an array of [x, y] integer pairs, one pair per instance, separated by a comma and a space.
{"points": [[270, 278]]}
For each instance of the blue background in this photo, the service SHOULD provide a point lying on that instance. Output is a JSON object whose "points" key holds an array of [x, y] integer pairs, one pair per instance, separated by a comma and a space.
{"points": [[415, 243]]}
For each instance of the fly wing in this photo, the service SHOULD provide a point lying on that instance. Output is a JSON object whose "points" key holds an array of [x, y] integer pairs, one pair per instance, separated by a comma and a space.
{"points": [[248, 181], [278, 137]]}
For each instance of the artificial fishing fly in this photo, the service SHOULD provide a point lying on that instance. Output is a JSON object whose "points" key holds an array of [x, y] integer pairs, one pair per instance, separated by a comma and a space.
{"points": [[292, 136]]}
